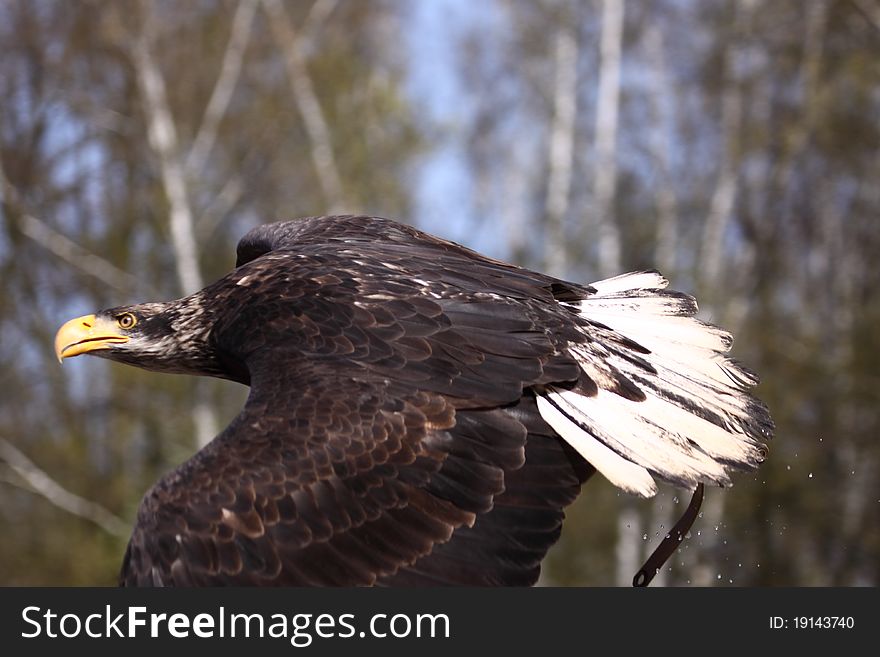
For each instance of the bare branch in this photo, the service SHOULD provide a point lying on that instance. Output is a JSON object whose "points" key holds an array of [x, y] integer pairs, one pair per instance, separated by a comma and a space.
{"points": [[41, 483], [235, 186], [307, 101], [73, 253], [230, 70], [315, 19], [63, 247], [871, 13], [220, 205]]}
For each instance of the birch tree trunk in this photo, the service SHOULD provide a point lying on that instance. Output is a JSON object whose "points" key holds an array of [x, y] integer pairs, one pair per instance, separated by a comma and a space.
{"points": [[162, 136], [561, 155], [723, 198], [607, 116], [711, 261], [630, 544], [605, 231], [661, 97]]}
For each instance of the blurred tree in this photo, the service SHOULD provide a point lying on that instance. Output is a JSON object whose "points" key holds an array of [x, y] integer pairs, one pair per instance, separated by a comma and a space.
{"points": [[732, 143], [746, 161], [137, 143]]}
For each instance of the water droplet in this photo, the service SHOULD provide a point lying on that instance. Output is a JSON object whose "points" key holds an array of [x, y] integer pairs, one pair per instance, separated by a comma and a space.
{"points": [[719, 575], [788, 467], [644, 537], [810, 475], [675, 499]]}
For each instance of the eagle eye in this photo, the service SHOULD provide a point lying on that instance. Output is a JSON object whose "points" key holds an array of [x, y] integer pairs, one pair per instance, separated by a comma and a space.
{"points": [[126, 321]]}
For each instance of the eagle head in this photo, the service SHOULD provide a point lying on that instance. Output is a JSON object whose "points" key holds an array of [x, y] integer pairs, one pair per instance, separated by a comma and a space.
{"points": [[172, 337]]}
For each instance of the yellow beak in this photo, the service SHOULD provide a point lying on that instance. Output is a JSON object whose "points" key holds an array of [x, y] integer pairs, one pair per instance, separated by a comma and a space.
{"points": [[85, 334]]}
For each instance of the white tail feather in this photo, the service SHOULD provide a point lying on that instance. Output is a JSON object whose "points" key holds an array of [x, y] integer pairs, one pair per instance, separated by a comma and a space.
{"points": [[619, 471], [644, 280], [695, 420]]}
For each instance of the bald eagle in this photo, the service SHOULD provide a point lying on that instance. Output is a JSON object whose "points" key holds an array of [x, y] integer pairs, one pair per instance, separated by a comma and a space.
{"points": [[419, 414]]}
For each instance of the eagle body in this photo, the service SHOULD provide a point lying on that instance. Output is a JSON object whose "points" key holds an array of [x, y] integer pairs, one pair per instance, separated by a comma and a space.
{"points": [[419, 414]]}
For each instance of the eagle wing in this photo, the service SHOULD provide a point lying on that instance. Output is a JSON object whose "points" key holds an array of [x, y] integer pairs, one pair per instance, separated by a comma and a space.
{"points": [[421, 414], [387, 438], [352, 486]]}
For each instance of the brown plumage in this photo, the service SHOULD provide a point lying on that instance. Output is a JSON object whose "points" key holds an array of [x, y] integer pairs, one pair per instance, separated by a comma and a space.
{"points": [[419, 414]]}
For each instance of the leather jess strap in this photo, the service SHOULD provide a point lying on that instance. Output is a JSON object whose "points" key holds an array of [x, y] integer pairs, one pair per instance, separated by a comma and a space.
{"points": [[669, 544]]}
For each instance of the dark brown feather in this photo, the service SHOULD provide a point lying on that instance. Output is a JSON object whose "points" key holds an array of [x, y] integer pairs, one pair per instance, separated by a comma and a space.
{"points": [[386, 438], [392, 434]]}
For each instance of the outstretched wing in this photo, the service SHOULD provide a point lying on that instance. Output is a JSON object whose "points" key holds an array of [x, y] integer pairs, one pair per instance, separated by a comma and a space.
{"points": [[373, 504], [347, 486], [421, 414], [382, 424]]}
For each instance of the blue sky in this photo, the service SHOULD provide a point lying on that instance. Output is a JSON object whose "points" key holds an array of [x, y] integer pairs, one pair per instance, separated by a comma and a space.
{"points": [[443, 203]]}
